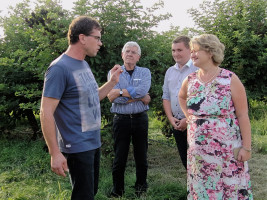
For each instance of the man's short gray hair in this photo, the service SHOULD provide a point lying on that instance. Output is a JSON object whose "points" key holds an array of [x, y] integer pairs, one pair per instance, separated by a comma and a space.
{"points": [[132, 44]]}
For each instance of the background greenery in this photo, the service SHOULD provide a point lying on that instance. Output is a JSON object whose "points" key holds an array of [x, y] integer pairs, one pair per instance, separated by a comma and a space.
{"points": [[34, 36]]}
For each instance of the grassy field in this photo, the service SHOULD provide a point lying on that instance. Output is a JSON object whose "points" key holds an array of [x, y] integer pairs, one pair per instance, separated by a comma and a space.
{"points": [[25, 166], [25, 174]]}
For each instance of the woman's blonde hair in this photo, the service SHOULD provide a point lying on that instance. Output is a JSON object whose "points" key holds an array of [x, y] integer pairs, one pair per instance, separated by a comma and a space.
{"points": [[210, 43]]}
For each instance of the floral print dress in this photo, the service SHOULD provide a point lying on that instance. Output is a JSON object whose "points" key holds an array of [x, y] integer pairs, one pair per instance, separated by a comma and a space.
{"points": [[213, 133]]}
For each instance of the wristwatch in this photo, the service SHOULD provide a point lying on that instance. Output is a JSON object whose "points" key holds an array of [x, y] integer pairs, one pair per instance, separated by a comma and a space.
{"points": [[121, 92]]}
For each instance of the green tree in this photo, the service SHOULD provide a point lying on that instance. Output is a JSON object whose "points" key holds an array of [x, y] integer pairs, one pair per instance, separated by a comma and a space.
{"points": [[241, 25], [123, 21], [32, 40]]}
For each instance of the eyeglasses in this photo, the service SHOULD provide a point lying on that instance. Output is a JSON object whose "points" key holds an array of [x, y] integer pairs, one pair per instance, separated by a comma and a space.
{"points": [[96, 37], [132, 52]]}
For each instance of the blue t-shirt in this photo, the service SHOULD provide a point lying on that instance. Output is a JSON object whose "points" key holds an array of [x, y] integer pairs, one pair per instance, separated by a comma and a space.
{"points": [[77, 116]]}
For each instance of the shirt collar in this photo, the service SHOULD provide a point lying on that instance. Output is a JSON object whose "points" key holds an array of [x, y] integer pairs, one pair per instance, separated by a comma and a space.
{"points": [[188, 64], [124, 68]]}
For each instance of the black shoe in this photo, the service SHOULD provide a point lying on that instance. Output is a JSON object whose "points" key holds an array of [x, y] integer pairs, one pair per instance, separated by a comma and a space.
{"points": [[139, 193], [114, 195], [140, 189]]}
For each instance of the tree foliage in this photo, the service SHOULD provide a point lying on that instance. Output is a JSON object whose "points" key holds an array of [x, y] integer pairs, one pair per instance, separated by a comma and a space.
{"points": [[33, 38], [36, 36], [123, 21], [241, 25]]}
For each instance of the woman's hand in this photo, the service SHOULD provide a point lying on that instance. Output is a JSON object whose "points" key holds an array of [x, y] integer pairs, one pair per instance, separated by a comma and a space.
{"points": [[244, 155]]}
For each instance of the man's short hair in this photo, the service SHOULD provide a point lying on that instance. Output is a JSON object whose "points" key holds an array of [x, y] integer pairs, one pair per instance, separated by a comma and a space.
{"points": [[81, 25], [132, 44], [184, 39]]}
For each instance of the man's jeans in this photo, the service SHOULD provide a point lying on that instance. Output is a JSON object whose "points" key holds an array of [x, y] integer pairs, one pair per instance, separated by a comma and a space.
{"points": [[84, 173], [181, 142], [125, 129]]}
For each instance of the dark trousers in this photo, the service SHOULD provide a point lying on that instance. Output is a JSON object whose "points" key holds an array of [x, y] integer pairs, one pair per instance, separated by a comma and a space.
{"points": [[84, 173], [125, 130], [181, 142]]}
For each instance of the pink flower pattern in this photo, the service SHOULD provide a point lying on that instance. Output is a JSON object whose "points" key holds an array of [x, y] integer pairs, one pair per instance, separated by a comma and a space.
{"points": [[213, 133]]}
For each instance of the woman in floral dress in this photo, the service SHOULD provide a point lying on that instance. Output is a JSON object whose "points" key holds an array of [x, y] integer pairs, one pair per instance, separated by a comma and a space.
{"points": [[215, 104]]}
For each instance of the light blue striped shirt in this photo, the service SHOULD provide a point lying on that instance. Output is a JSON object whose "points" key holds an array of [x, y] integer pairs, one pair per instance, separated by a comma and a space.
{"points": [[137, 85]]}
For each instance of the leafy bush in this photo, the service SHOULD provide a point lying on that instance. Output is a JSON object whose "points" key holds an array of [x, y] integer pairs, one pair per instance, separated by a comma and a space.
{"points": [[241, 25]]}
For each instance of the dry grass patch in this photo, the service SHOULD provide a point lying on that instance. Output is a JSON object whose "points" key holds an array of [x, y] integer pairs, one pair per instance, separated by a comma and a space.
{"points": [[258, 173]]}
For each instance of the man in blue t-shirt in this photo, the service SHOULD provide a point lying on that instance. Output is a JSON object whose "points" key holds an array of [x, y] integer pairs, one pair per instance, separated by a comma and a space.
{"points": [[70, 109]]}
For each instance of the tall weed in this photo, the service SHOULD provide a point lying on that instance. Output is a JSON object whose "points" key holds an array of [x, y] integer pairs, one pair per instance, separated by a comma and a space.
{"points": [[258, 119]]}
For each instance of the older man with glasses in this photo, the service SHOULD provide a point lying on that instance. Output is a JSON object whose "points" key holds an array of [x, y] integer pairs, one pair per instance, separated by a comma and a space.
{"points": [[130, 124]]}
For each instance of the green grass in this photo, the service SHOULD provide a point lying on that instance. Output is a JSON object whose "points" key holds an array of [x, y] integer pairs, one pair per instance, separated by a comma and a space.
{"points": [[25, 174]]}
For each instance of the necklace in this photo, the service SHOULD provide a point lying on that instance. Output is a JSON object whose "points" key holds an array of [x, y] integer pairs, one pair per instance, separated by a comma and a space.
{"points": [[210, 78]]}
